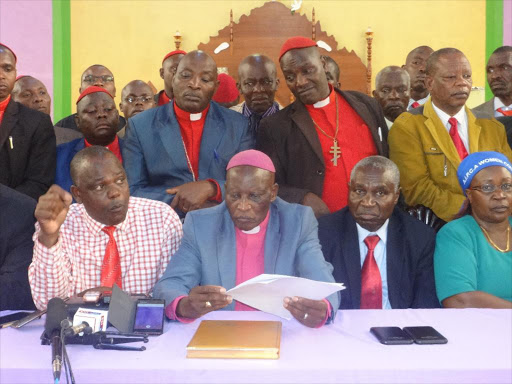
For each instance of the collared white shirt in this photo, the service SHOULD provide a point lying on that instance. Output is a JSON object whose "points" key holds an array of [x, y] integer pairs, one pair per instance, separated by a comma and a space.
{"points": [[420, 102], [462, 123], [389, 123], [499, 104], [147, 238], [380, 255]]}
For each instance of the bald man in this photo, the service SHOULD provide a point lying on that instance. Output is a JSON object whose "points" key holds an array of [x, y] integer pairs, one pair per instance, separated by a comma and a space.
{"points": [[332, 71], [32, 93], [96, 75], [136, 97], [257, 83], [392, 87], [27, 139], [107, 237], [428, 143], [178, 152], [415, 65]]}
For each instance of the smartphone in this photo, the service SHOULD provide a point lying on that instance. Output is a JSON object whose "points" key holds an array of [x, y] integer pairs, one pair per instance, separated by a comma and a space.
{"points": [[391, 335], [149, 316], [425, 335], [12, 317]]}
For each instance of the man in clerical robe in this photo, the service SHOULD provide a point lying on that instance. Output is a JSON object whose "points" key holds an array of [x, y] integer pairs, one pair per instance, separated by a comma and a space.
{"points": [[251, 233], [316, 141]]}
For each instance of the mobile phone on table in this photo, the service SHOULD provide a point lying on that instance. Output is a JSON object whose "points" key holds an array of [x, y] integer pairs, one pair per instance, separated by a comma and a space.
{"points": [[149, 316], [391, 335], [12, 317], [425, 335]]}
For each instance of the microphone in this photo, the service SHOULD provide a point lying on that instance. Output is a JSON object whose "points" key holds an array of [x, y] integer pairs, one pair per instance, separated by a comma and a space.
{"points": [[55, 313], [75, 330]]}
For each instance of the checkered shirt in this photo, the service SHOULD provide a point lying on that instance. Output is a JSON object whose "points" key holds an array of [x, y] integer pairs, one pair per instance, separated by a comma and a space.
{"points": [[146, 240]]}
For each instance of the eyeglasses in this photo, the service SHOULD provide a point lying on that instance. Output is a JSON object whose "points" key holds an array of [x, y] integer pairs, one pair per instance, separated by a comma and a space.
{"points": [[490, 188], [133, 99], [104, 78]]}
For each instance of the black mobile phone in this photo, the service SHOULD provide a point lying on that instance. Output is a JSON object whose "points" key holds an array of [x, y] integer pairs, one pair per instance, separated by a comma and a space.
{"points": [[425, 335], [391, 335], [149, 316], [12, 317]]}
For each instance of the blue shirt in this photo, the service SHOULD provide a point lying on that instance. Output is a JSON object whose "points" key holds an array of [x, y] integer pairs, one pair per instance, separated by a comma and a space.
{"points": [[380, 256]]}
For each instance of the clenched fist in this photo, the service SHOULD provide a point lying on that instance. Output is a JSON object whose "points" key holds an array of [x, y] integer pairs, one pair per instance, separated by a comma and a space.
{"points": [[51, 211]]}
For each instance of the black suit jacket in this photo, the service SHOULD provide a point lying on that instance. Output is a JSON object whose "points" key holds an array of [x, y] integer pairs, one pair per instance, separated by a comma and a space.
{"points": [[29, 164], [507, 122], [16, 230], [409, 252], [289, 137]]}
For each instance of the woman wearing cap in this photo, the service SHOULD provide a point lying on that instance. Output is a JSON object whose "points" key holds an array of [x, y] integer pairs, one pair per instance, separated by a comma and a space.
{"points": [[473, 256]]}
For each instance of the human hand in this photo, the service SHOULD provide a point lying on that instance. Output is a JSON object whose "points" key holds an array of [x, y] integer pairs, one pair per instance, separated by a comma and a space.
{"points": [[316, 203], [51, 211], [191, 196], [311, 313], [201, 300]]}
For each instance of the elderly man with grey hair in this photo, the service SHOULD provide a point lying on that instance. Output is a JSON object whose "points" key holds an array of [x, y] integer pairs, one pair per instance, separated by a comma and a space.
{"points": [[381, 254], [392, 89]]}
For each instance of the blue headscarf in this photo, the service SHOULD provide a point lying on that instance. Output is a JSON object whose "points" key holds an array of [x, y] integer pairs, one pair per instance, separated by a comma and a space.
{"points": [[477, 161]]}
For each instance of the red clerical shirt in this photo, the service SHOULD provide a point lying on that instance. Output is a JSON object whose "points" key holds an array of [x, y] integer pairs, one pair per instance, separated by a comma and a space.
{"points": [[3, 106], [163, 98], [355, 142], [191, 128], [113, 147]]}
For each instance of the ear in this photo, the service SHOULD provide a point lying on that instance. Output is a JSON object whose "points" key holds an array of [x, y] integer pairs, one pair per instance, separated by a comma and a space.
{"points": [[374, 92], [121, 105], [77, 121], [397, 195], [469, 194], [323, 62], [277, 83], [338, 85], [428, 82], [239, 87], [162, 73], [75, 192], [275, 189]]}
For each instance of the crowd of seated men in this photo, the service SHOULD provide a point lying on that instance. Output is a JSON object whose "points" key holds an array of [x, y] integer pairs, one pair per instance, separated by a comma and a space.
{"points": [[211, 182]]}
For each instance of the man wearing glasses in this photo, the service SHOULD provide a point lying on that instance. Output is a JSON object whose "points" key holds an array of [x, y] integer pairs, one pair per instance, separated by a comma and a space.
{"points": [[137, 96], [99, 76]]}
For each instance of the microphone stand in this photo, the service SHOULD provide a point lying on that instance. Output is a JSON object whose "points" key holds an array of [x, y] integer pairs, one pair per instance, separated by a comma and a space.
{"points": [[65, 359]]}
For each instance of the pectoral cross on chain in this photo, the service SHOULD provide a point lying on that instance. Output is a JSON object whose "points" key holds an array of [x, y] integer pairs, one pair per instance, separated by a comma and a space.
{"points": [[335, 150]]}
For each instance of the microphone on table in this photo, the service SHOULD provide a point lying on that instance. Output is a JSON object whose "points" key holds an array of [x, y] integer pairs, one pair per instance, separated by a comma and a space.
{"points": [[56, 312], [75, 330]]}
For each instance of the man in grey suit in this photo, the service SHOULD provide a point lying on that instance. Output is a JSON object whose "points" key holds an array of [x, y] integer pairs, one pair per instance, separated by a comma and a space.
{"points": [[499, 77], [177, 153], [251, 233]]}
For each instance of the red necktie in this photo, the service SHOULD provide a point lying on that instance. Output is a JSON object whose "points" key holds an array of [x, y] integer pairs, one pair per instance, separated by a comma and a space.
{"points": [[371, 282], [111, 268], [505, 113], [457, 141], [415, 104]]}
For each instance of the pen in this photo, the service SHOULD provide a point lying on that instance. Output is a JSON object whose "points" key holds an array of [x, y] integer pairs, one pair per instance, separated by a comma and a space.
{"points": [[215, 154], [10, 142]]}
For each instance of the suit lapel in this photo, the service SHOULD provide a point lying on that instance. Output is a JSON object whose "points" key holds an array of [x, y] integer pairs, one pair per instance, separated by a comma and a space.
{"points": [[272, 240], [9, 121], [352, 258], [302, 119], [212, 135], [473, 131], [394, 260], [169, 130], [440, 134], [226, 251]]}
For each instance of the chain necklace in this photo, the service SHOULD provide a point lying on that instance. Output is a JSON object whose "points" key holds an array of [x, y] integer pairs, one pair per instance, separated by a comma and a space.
{"points": [[335, 149], [188, 161], [493, 243]]}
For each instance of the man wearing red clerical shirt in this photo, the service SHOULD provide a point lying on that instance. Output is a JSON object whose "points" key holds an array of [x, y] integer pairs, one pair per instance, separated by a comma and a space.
{"points": [[251, 233], [97, 118], [178, 152], [169, 66], [27, 139], [316, 141]]}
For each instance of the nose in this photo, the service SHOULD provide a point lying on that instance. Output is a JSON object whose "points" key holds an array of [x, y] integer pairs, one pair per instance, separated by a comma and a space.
{"points": [[393, 94], [98, 81], [494, 74], [244, 204], [113, 191], [102, 113], [368, 200], [138, 101], [300, 80], [258, 87], [498, 194], [194, 82]]}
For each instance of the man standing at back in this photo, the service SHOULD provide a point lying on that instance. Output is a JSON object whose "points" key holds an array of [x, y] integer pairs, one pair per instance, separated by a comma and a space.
{"points": [[415, 65], [167, 71], [428, 143], [315, 141], [257, 82], [392, 88], [178, 152], [499, 77]]}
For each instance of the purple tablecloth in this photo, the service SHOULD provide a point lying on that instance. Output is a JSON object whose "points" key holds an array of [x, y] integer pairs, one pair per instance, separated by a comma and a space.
{"points": [[479, 350]]}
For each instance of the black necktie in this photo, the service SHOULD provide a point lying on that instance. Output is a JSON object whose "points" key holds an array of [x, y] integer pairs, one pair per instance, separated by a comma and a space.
{"points": [[254, 122]]}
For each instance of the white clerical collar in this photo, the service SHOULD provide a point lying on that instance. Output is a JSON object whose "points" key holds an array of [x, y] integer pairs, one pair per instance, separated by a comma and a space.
{"points": [[322, 103], [253, 231], [196, 116]]}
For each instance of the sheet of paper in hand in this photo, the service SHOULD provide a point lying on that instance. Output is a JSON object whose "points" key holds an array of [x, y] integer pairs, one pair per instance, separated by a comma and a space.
{"points": [[266, 292]]}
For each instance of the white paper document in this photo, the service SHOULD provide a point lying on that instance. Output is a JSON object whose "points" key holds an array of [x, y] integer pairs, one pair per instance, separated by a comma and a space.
{"points": [[267, 292]]}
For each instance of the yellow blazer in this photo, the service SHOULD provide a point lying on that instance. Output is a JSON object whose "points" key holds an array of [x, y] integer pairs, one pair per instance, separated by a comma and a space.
{"points": [[424, 152]]}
